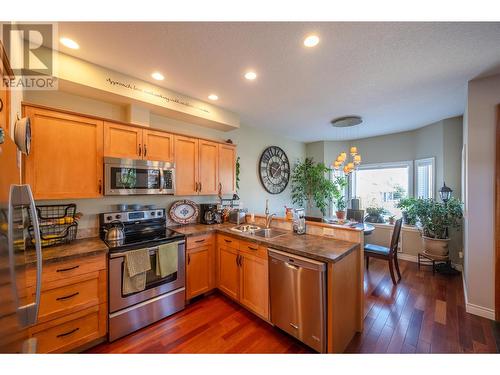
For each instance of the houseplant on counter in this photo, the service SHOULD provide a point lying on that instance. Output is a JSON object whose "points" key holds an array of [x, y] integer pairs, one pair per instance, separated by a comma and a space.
{"points": [[311, 185], [374, 215], [407, 206], [338, 196], [434, 220]]}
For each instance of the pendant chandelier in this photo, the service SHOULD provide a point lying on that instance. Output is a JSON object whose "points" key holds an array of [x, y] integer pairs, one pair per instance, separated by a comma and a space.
{"points": [[342, 163]]}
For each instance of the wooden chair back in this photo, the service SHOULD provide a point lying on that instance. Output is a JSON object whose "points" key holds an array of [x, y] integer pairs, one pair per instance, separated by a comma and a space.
{"points": [[395, 236]]}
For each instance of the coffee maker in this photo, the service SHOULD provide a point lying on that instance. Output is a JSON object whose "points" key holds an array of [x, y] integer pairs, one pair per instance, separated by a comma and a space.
{"points": [[209, 214]]}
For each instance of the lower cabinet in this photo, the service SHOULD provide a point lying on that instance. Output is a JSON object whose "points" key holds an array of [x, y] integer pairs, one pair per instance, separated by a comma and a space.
{"points": [[200, 265], [73, 305], [243, 274]]}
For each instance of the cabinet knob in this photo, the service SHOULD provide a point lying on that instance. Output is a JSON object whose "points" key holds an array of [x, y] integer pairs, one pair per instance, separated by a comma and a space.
{"points": [[145, 150], [100, 186], [140, 150]]}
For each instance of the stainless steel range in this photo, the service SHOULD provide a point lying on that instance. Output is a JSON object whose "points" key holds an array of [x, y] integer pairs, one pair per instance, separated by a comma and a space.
{"points": [[162, 296]]}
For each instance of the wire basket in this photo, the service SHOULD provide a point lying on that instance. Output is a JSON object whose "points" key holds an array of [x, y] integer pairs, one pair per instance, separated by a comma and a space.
{"points": [[58, 224]]}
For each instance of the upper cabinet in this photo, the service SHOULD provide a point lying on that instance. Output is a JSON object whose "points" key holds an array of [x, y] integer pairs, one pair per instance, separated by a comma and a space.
{"points": [[227, 168], [66, 158], [204, 167], [158, 145], [123, 141]]}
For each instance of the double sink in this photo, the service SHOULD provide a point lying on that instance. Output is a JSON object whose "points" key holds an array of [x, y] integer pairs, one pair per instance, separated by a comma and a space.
{"points": [[258, 231]]}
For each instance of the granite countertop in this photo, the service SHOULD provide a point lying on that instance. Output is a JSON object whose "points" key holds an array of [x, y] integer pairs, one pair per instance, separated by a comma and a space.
{"points": [[77, 248], [324, 249]]}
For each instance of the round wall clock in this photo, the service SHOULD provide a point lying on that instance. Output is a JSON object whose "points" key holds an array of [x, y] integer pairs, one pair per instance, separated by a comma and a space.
{"points": [[274, 170]]}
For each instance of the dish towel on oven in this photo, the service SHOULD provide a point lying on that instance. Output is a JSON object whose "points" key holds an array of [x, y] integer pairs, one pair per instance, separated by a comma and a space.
{"points": [[166, 259], [137, 263]]}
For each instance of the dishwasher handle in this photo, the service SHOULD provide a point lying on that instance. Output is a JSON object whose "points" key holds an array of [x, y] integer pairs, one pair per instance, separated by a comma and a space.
{"points": [[296, 261]]}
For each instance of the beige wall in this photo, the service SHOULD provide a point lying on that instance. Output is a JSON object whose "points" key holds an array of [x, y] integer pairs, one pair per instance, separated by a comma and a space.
{"points": [[251, 142], [479, 140]]}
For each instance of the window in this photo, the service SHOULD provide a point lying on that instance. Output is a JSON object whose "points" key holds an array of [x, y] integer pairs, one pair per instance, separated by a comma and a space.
{"points": [[424, 176], [382, 185]]}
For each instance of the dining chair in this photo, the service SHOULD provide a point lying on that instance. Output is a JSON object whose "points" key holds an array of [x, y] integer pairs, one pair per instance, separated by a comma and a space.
{"points": [[387, 253], [356, 215]]}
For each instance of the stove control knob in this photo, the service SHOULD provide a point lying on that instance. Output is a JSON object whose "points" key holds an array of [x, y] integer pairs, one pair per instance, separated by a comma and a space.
{"points": [[118, 216], [159, 213], [109, 218], [153, 213]]}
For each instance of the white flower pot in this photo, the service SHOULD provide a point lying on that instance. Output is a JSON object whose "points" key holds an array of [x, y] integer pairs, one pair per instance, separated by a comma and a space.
{"points": [[435, 246]]}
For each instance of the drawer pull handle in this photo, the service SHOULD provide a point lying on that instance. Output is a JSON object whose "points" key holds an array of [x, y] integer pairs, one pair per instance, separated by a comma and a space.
{"points": [[67, 297], [294, 326], [229, 241], [67, 269], [253, 248], [198, 241], [68, 333]]}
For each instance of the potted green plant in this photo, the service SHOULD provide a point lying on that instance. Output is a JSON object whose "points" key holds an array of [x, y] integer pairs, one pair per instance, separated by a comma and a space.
{"points": [[435, 218], [374, 215], [407, 206], [311, 185], [339, 198], [392, 219]]}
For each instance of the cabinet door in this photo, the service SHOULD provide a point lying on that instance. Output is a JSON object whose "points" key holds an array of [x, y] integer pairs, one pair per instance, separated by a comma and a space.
{"points": [[186, 165], [122, 141], [228, 271], [209, 167], [158, 145], [198, 273], [66, 158], [254, 284], [227, 169]]}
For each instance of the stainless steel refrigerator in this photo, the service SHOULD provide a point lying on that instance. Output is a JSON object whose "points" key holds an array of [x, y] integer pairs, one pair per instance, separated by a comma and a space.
{"points": [[18, 308]]}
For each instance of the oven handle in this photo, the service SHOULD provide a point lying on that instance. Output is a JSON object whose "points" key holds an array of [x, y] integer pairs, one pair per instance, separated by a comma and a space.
{"points": [[155, 248]]}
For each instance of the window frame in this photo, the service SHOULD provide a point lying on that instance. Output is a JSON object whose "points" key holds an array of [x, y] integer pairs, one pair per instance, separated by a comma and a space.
{"points": [[385, 165], [426, 161]]}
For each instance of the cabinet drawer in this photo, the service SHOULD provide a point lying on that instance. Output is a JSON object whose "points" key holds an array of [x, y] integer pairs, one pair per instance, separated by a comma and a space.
{"points": [[66, 333], [198, 241], [228, 241], [253, 249], [67, 299], [64, 270]]}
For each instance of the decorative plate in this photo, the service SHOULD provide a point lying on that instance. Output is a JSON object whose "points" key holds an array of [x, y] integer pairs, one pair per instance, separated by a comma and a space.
{"points": [[184, 211]]}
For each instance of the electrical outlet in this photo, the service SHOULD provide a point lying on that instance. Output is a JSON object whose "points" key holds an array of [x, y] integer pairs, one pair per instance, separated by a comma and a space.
{"points": [[460, 254]]}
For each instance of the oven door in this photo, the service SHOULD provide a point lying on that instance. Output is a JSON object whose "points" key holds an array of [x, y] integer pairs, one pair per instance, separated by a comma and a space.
{"points": [[155, 285], [129, 177]]}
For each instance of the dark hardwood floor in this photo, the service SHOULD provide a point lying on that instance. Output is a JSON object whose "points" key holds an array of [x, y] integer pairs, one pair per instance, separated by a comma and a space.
{"points": [[424, 313]]}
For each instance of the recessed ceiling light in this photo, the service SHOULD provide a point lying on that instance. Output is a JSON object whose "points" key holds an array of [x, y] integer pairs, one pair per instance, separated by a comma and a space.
{"points": [[70, 43], [158, 76], [213, 97], [250, 75], [311, 41], [346, 121]]}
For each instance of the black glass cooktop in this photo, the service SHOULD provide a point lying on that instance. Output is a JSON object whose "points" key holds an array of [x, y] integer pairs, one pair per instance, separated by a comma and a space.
{"points": [[142, 240]]}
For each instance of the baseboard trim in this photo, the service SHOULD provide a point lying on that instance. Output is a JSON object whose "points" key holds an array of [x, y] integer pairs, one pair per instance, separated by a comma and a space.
{"points": [[475, 309]]}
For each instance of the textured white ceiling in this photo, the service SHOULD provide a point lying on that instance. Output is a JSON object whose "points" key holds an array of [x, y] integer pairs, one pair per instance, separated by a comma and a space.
{"points": [[397, 76]]}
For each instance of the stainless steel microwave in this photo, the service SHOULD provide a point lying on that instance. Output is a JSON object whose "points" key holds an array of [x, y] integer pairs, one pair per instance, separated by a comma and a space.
{"points": [[137, 177]]}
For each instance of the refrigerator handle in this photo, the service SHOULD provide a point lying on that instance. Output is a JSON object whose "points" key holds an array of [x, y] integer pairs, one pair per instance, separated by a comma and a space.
{"points": [[33, 317], [20, 195]]}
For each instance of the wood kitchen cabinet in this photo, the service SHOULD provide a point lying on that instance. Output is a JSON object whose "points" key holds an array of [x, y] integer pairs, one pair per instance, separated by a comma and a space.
{"points": [[243, 273], [200, 265], [186, 165], [227, 168], [66, 159], [208, 167], [129, 142], [73, 305]]}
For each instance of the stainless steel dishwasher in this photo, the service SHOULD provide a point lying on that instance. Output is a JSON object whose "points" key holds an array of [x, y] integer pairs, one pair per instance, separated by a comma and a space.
{"points": [[298, 298]]}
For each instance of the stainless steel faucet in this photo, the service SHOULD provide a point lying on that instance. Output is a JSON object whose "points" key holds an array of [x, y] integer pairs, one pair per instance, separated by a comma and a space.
{"points": [[269, 218]]}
